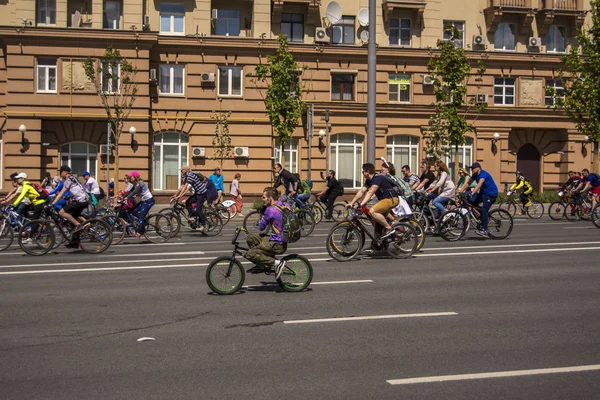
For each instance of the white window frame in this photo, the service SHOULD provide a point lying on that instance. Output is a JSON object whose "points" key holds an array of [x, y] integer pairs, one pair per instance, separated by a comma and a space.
{"points": [[238, 18], [290, 149], [553, 31], [399, 29], [462, 151], [115, 23], [398, 87], [92, 150], [345, 22], [158, 180], [557, 85], [38, 12], [502, 26], [172, 79], [461, 30], [334, 146], [110, 83], [230, 82], [504, 86], [45, 69], [172, 16], [412, 146]]}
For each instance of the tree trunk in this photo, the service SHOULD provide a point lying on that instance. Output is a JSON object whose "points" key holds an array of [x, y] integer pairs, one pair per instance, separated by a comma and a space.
{"points": [[456, 164]]}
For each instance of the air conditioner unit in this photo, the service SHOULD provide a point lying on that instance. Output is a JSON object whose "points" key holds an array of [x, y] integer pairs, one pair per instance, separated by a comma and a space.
{"points": [[146, 21], [104, 150], [427, 80], [481, 98], [479, 40], [321, 35], [197, 152], [214, 14], [152, 75], [207, 77], [240, 151], [534, 42]]}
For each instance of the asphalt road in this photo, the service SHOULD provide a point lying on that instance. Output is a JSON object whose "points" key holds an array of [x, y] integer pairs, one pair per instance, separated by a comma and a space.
{"points": [[476, 319]]}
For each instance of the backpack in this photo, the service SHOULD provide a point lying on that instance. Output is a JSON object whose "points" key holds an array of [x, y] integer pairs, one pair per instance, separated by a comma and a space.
{"points": [[199, 175], [43, 193], [406, 189], [102, 193], [340, 189], [306, 187], [292, 226], [396, 190]]}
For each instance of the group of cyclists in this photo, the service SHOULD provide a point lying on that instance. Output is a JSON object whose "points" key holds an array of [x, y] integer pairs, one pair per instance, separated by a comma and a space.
{"points": [[583, 183]]}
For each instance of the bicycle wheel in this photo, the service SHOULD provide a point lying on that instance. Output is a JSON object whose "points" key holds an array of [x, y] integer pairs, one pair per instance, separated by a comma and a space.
{"points": [[214, 223], [344, 241], [296, 274], [118, 227], [422, 220], [307, 219], [317, 212], [340, 212], [500, 224], [453, 225], [556, 211], [585, 210], [420, 232], [6, 234], [572, 212], [535, 210], [251, 222], [225, 275], [175, 220], [223, 213], [95, 236], [405, 241], [159, 228], [36, 237], [596, 216], [509, 207]]}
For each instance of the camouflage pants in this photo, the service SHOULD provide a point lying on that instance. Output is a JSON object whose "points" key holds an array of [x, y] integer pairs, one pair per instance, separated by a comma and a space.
{"points": [[262, 250]]}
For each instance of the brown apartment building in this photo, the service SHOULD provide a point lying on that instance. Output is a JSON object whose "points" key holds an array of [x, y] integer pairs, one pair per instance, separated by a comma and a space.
{"points": [[203, 56]]}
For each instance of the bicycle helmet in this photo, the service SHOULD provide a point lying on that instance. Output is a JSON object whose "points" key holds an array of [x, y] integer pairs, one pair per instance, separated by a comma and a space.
{"points": [[134, 174]]}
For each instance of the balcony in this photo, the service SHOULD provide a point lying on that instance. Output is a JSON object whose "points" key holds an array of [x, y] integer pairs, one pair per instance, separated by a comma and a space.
{"points": [[498, 8], [550, 9], [79, 13], [418, 6]]}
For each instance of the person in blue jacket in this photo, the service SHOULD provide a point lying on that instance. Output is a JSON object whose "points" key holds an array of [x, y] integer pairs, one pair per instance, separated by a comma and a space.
{"points": [[217, 179]]}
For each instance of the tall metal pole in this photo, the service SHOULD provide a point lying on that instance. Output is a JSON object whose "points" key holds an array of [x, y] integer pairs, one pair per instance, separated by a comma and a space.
{"points": [[371, 85], [326, 142], [109, 130]]}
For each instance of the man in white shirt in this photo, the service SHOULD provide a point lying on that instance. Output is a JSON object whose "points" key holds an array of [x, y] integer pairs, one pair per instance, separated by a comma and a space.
{"points": [[91, 185]]}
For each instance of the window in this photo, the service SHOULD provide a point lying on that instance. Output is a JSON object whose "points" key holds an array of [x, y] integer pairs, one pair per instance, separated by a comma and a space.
{"points": [[171, 79], [292, 25], [112, 14], [170, 153], [465, 156], [172, 19], [399, 88], [342, 87], [80, 157], [400, 33], [290, 151], [228, 23], [556, 39], [111, 71], [403, 150], [46, 75], [343, 31], [559, 92], [504, 38], [460, 26], [46, 12], [230, 81], [347, 159], [504, 91]]}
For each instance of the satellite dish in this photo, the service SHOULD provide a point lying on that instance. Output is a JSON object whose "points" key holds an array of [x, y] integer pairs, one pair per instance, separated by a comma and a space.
{"points": [[364, 36], [363, 17], [333, 12]]}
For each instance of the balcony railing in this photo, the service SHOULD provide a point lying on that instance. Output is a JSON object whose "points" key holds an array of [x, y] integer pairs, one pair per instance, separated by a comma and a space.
{"points": [[573, 5], [510, 3]]}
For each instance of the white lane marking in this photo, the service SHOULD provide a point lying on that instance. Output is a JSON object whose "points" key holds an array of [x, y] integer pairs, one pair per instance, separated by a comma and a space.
{"points": [[314, 283], [579, 227], [507, 245], [104, 262], [507, 252], [502, 374], [369, 317], [181, 253]]}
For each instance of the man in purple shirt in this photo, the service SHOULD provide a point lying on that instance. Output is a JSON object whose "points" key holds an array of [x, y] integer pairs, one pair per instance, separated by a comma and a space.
{"points": [[264, 249]]}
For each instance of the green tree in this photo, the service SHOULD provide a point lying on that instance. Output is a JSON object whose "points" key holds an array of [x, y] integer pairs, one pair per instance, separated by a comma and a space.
{"points": [[451, 70], [283, 99], [580, 76], [114, 79], [222, 146]]}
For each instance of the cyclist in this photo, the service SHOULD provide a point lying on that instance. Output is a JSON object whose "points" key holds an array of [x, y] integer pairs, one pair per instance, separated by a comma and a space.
{"points": [[463, 176], [526, 189], [37, 203], [445, 188], [412, 179], [141, 209], [378, 185], [52, 194], [486, 192], [332, 190], [91, 185], [262, 250], [286, 179], [79, 201], [592, 184], [403, 209], [304, 188], [212, 195], [192, 180], [218, 179]]}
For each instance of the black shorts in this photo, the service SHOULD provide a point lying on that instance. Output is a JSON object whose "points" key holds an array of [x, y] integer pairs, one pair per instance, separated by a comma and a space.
{"points": [[74, 208]]}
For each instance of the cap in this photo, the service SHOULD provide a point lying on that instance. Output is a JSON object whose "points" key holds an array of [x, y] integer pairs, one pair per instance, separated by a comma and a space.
{"points": [[85, 173], [21, 175], [135, 174], [475, 165], [65, 168], [517, 172]]}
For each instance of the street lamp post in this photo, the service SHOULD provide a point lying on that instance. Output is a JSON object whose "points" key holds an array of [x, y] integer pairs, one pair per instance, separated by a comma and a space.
{"points": [[22, 129], [326, 141]]}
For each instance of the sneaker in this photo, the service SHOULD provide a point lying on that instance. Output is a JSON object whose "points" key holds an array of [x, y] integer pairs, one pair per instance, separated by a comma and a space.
{"points": [[240, 215], [528, 204], [387, 234], [202, 229], [70, 245], [279, 266], [483, 233], [368, 252]]}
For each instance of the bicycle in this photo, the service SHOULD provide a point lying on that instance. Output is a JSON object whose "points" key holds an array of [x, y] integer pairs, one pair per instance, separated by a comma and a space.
{"points": [[346, 239], [319, 209], [557, 209], [581, 208], [596, 215], [226, 275], [534, 211], [37, 237], [180, 216], [456, 223], [10, 221], [225, 210], [157, 227]]}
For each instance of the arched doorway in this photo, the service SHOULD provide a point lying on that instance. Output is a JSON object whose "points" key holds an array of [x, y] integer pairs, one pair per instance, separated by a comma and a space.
{"points": [[528, 162]]}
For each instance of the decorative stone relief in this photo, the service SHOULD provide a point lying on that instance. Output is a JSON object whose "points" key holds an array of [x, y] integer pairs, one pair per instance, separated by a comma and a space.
{"points": [[531, 92], [80, 82]]}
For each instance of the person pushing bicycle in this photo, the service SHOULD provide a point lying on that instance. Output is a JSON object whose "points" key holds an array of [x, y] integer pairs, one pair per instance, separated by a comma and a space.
{"points": [[526, 189]]}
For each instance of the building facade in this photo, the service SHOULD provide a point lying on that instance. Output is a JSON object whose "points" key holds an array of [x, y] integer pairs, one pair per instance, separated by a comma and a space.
{"points": [[195, 57]]}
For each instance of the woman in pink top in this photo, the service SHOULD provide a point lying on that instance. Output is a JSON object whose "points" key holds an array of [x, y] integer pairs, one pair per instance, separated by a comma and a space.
{"points": [[236, 194]]}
